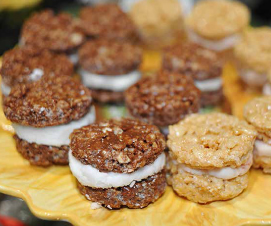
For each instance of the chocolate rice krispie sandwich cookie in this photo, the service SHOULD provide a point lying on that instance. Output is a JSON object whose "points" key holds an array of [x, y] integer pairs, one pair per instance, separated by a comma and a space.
{"points": [[107, 21], [163, 99], [203, 65], [25, 65], [253, 56], [217, 25], [257, 112], [55, 32], [119, 163], [43, 115], [210, 156], [108, 68]]}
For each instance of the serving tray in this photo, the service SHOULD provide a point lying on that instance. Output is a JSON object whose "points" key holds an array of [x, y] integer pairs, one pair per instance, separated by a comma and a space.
{"points": [[51, 192]]}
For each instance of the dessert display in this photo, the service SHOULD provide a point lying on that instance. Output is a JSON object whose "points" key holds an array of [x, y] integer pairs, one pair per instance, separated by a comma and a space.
{"points": [[163, 99], [203, 65], [217, 25], [44, 113], [210, 156], [108, 68], [161, 20], [107, 21], [25, 65], [65, 110], [119, 163], [257, 112], [57, 33], [253, 54]]}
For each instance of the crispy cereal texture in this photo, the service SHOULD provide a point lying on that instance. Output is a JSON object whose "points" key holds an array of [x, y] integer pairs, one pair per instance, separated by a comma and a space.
{"points": [[205, 189], [263, 162], [140, 195], [107, 21], [120, 146], [193, 60], [217, 19], [211, 140], [42, 155], [254, 50], [45, 30], [163, 99], [109, 57], [19, 63], [257, 112], [47, 102]]}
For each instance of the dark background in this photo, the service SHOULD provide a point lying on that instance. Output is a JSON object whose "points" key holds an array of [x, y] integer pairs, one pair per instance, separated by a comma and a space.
{"points": [[11, 21]]}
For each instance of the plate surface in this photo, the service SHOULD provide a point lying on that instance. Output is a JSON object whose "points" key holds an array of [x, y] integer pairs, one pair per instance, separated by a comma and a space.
{"points": [[51, 193]]}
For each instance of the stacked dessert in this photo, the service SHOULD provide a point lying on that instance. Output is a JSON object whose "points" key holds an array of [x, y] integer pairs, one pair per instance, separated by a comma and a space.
{"points": [[25, 65], [210, 156], [257, 112], [44, 113], [203, 65], [119, 163], [163, 99], [58, 33]]}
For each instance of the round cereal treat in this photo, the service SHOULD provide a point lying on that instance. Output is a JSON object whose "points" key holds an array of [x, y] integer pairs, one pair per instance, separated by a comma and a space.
{"points": [[42, 155], [212, 140], [45, 30], [47, 102], [254, 50], [107, 21], [120, 146], [221, 18], [193, 60], [257, 112], [263, 162], [205, 188], [140, 195], [163, 99], [25, 65], [107, 57]]}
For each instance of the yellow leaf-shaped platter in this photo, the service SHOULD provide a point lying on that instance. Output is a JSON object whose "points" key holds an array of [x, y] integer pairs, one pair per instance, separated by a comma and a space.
{"points": [[51, 192]]}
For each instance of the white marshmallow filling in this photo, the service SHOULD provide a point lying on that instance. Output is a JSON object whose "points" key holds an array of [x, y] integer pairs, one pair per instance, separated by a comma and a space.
{"points": [[253, 78], [35, 75], [216, 45], [225, 173], [117, 83], [5, 89], [267, 89], [262, 149], [53, 135], [92, 177], [209, 85]]}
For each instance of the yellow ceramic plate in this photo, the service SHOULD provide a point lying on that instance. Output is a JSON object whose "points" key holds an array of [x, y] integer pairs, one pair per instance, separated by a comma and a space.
{"points": [[51, 193]]}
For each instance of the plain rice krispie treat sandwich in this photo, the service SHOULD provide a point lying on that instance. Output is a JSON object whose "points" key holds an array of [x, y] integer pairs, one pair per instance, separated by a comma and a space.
{"points": [[119, 163], [163, 99], [26, 65], [43, 115], [217, 25], [55, 32], [108, 68], [107, 21], [203, 65], [253, 55], [257, 112], [210, 156]]}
